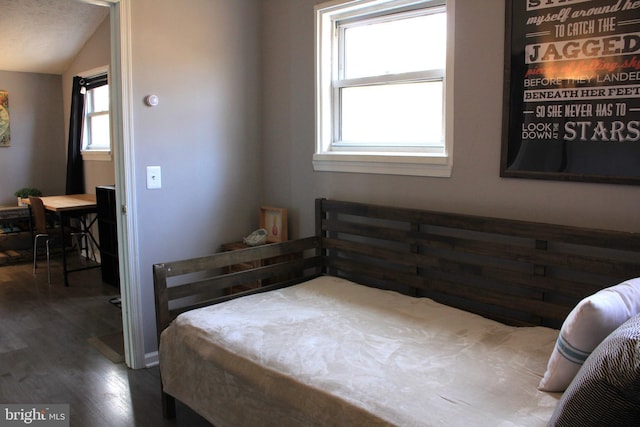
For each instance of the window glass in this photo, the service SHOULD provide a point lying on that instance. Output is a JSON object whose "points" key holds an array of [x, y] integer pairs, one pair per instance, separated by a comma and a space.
{"points": [[384, 87], [100, 137], [96, 135], [100, 97], [400, 114], [400, 45]]}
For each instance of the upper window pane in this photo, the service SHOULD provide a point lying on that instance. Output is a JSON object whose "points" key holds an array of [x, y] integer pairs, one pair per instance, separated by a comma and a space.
{"points": [[395, 45], [100, 96]]}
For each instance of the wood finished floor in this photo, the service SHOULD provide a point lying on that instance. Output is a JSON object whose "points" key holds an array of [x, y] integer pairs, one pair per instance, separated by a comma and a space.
{"points": [[45, 356]]}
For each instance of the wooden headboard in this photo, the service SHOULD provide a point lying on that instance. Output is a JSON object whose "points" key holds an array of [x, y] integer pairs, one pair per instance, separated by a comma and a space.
{"points": [[521, 273]]}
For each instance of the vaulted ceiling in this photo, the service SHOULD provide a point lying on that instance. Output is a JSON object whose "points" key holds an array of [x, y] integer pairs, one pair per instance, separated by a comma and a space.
{"points": [[43, 36]]}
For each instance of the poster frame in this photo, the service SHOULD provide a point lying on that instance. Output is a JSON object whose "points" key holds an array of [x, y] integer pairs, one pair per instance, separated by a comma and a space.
{"points": [[513, 106]]}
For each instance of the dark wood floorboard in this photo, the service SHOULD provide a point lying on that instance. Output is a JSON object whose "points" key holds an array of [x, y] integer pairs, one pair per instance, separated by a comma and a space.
{"points": [[45, 356]]}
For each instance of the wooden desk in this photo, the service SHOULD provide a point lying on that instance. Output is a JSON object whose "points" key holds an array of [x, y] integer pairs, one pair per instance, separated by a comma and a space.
{"points": [[72, 206], [72, 202]]}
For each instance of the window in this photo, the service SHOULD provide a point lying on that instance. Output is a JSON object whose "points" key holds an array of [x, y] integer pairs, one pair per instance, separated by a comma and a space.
{"points": [[383, 87], [96, 136], [96, 130]]}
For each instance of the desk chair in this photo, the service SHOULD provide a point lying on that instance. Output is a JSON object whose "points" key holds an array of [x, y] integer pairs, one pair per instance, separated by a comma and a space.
{"points": [[41, 230]]}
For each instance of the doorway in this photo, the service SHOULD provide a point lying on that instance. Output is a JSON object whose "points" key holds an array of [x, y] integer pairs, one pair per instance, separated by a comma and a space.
{"points": [[122, 131]]}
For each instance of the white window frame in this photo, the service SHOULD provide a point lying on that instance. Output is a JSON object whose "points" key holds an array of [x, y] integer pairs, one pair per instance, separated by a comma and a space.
{"points": [[95, 154], [333, 157]]}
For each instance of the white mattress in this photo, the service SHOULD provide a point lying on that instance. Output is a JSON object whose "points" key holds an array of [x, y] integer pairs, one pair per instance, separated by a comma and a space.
{"points": [[330, 352]]}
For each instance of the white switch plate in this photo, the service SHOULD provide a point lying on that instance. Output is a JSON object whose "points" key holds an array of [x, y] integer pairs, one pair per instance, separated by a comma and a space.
{"points": [[154, 178]]}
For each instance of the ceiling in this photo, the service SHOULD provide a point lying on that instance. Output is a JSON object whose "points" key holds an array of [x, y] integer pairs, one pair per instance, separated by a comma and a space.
{"points": [[43, 36]]}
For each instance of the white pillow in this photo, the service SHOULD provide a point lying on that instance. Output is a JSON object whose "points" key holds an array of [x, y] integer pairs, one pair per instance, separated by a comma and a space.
{"points": [[590, 322]]}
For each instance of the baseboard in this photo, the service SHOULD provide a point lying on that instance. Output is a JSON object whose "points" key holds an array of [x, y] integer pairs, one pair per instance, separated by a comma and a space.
{"points": [[151, 359]]}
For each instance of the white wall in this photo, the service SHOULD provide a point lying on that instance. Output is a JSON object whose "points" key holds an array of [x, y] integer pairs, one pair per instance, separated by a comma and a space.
{"points": [[475, 187], [200, 57], [32, 160]]}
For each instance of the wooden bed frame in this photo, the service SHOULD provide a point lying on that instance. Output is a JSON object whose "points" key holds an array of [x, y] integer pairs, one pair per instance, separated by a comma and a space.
{"points": [[517, 272]]}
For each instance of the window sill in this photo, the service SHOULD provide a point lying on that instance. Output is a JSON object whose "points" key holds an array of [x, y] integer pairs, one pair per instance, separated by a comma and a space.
{"points": [[96, 155], [376, 163]]}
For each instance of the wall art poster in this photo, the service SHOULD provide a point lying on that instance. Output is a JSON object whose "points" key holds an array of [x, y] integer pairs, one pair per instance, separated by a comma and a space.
{"points": [[572, 90], [5, 130]]}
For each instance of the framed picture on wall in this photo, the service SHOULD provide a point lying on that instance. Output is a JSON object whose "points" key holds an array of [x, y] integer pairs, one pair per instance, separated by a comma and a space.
{"points": [[572, 91], [5, 129], [274, 220]]}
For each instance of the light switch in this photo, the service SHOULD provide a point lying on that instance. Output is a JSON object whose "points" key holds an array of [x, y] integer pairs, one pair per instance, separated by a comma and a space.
{"points": [[154, 178]]}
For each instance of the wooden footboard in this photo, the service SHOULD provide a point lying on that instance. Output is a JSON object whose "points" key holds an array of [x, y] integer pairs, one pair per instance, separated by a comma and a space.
{"points": [[192, 283]]}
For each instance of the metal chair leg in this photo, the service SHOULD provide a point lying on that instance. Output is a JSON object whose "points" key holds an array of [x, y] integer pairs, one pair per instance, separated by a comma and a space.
{"points": [[48, 264], [35, 250], [35, 253]]}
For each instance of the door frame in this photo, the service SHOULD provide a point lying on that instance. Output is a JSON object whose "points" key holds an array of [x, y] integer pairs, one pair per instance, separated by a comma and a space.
{"points": [[120, 84]]}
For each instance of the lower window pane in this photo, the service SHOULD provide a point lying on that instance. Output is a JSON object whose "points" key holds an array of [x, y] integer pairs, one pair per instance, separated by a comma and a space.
{"points": [[407, 114], [99, 132]]}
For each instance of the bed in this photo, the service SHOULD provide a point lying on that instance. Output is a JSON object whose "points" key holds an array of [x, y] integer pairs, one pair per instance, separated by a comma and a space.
{"points": [[386, 316]]}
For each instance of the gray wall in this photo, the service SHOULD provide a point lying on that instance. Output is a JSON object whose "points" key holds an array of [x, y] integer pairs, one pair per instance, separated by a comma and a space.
{"points": [[230, 136], [475, 187], [200, 57], [36, 157]]}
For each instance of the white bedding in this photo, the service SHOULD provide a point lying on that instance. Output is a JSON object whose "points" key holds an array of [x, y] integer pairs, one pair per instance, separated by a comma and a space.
{"points": [[330, 352]]}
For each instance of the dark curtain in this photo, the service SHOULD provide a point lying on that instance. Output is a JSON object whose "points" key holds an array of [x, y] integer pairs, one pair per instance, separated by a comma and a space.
{"points": [[75, 166]]}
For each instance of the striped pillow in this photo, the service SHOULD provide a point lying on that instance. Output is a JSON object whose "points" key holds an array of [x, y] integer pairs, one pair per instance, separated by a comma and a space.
{"points": [[606, 390], [585, 327]]}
